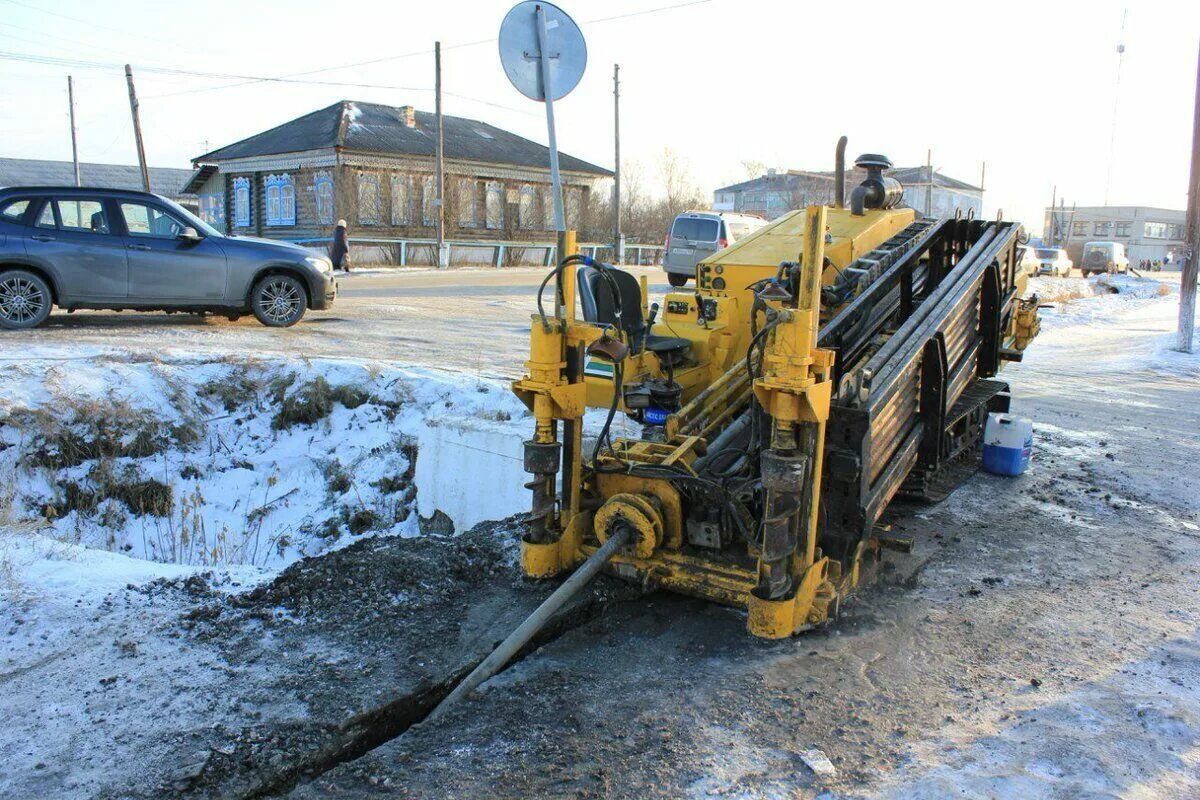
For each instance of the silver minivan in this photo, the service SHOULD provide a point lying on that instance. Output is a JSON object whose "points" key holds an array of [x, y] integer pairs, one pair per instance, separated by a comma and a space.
{"points": [[696, 235]]}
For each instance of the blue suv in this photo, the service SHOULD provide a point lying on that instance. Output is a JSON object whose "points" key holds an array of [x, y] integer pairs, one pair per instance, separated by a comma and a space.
{"points": [[114, 249]]}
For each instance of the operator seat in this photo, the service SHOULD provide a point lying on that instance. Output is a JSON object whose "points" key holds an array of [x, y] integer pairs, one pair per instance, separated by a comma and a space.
{"points": [[596, 297]]}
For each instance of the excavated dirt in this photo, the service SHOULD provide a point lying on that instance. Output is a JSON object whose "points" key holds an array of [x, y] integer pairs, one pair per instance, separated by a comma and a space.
{"points": [[363, 641]]}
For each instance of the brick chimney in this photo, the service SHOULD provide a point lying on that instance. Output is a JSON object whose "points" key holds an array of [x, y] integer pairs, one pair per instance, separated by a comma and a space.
{"points": [[409, 115]]}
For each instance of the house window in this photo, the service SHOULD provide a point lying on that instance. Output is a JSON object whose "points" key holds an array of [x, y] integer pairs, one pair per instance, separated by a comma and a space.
{"points": [[323, 190], [241, 202], [494, 205], [1080, 229], [527, 211], [1102, 228], [1156, 230], [212, 208], [281, 200], [1123, 228], [368, 199], [466, 203], [428, 201], [548, 220], [401, 192], [1176, 232], [573, 200]]}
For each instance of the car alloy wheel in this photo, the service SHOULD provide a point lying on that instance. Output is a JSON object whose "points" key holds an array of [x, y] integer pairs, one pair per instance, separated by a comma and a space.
{"points": [[21, 300], [280, 300]]}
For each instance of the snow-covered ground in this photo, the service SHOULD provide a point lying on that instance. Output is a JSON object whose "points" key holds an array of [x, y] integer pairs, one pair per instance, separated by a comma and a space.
{"points": [[212, 462]]}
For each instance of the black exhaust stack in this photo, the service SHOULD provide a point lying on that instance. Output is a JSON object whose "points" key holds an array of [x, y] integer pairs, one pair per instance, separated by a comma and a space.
{"points": [[876, 190], [839, 170]]}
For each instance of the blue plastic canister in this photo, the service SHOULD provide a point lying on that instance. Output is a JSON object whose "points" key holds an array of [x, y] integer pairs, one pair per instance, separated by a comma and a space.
{"points": [[1007, 444]]}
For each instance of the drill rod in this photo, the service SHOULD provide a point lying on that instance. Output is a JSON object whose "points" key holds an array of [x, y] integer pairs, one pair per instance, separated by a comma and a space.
{"points": [[534, 623]]}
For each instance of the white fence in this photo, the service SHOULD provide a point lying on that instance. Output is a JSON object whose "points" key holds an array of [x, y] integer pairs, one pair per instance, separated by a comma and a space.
{"points": [[463, 252]]}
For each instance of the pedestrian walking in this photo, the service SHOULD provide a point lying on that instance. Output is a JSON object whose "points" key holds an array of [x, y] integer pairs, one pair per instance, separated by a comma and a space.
{"points": [[339, 251]]}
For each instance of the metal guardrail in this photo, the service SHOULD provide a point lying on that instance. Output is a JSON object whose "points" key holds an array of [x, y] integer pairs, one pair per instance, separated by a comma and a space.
{"points": [[635, 254]]}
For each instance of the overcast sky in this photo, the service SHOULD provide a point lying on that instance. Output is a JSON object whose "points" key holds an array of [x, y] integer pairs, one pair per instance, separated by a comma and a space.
{"points": [[1027, 87]]}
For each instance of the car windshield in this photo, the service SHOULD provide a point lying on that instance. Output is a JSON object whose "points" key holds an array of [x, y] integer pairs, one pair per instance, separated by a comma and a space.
{"points": [[696, 229], [190, 218], [1044, 252]]}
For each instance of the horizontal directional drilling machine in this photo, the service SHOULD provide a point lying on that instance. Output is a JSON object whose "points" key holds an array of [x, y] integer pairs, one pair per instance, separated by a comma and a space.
{"points": [[833, 360]]}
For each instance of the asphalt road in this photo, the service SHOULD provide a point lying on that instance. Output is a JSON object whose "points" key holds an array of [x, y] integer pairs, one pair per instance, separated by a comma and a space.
{"points": [[475, 320]]}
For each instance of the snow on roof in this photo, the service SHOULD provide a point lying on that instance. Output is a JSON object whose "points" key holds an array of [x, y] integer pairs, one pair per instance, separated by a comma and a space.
{"points": [[165, 181], [375, 128]]}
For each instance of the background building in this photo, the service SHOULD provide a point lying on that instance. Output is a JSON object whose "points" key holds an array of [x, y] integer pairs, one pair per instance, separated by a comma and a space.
{"points": [[777, 192], [373, 165], [164, 181], [1147, 232]]}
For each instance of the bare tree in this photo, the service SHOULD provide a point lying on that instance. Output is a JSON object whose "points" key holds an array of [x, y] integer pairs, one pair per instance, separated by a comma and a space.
{"points": [[680, 187], [752, 168]]}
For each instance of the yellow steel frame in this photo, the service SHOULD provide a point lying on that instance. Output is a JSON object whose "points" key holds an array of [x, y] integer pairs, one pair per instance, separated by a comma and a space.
{"points": [[795, 389]]}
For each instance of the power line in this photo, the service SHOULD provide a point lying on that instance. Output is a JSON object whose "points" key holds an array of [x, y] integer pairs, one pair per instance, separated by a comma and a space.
{"points": [[92, 25], [426, 52], [38, 58]]}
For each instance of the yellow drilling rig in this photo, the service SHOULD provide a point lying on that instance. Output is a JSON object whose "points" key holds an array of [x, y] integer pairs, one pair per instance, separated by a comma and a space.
{"points": [[828, 362], [834, 359]]}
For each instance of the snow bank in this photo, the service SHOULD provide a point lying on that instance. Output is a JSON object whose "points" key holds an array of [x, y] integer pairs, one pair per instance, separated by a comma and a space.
{"points": [[200, 461]]}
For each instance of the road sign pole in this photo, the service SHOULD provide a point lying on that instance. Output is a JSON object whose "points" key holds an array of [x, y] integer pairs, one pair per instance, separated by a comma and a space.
{"points": [[544, 56]]}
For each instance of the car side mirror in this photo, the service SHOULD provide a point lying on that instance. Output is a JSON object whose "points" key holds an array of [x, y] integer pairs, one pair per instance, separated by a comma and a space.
{"points": [[189, 235]]}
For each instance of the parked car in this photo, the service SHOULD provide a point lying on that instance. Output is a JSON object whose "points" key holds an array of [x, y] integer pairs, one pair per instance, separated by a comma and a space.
{"points": [[696, 235], [1047, 261], [111, 249], [1103, 257]]}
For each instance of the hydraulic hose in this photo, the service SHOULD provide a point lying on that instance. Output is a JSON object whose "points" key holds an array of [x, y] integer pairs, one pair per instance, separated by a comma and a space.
{"points": [[535, 621]]}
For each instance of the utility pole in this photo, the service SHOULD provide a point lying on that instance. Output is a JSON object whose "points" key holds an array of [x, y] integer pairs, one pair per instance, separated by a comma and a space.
{"points": [[74, 144], [443, 259], [137, 128], [1187, 285], [929, 187], [1052, 227], [1112, 138], [618, 239]]}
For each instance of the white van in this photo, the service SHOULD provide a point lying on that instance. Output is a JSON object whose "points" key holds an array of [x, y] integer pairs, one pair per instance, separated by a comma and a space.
{"points": [[1103, 257], [696, 235]]}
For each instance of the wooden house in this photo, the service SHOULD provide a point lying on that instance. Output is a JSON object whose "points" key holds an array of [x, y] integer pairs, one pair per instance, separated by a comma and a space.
{"points": [[373, 165]]}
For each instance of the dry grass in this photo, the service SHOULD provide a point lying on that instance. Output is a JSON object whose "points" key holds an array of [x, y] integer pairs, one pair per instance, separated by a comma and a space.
{"points": [[313, 401], [74, 430]]}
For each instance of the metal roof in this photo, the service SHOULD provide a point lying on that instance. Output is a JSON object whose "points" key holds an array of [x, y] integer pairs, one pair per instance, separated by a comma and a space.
{"points": [[198, 179], [786, 181], [374, 128], [164, 181]]}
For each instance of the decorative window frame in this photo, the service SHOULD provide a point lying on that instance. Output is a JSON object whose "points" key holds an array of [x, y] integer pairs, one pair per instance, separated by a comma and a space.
{"points": [[322, 184], [401, 189], [212, 208], [281, 200], [368, 212], [493, 205], [466, 190], [242, 202], [428, 201], [527, 214]]}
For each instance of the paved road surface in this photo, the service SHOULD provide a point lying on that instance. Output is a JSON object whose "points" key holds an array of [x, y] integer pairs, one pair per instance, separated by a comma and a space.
{"points": [[475, 320]]}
